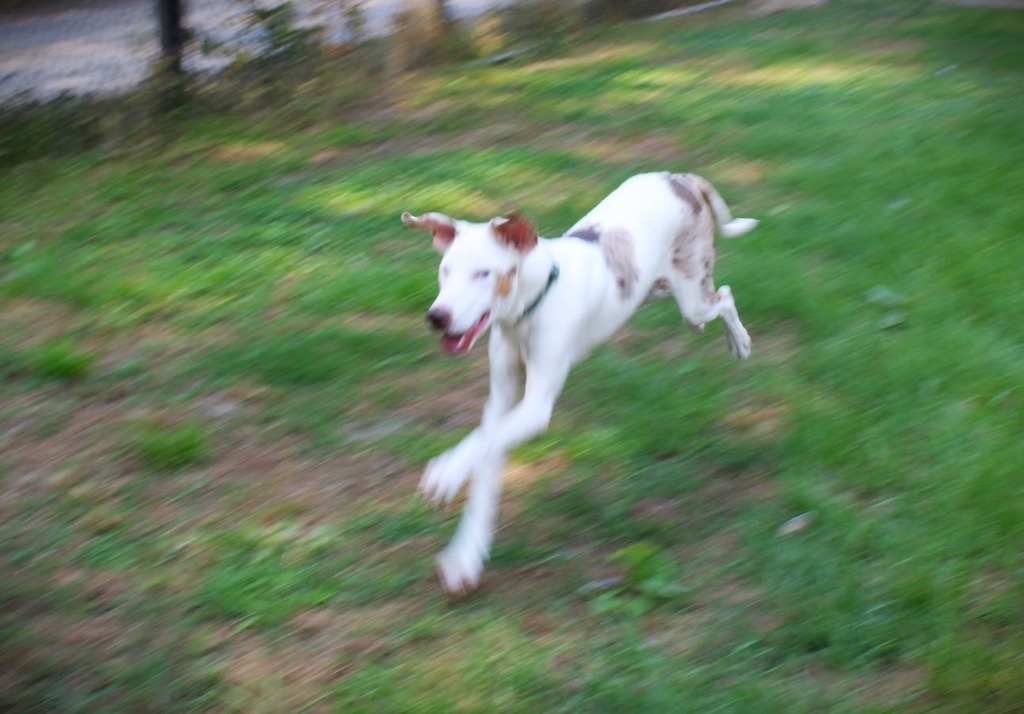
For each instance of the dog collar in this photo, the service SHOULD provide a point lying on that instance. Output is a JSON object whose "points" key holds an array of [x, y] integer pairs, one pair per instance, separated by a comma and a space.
{"points": [[552, 277]]}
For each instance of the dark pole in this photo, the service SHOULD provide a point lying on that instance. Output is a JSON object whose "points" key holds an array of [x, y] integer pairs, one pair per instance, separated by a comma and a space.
{"points": [[171, 35]]}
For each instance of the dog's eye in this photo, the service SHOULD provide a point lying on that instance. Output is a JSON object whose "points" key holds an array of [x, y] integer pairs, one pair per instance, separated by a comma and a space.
{"points": [[481, 274]]}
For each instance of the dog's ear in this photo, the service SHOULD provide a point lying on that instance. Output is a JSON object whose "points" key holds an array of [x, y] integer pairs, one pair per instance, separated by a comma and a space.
{"points": [[515, 231], [441, 226]]}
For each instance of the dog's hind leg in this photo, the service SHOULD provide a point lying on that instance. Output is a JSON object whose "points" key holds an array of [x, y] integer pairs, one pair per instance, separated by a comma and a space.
{"points": [[700, 303], [691, 276]]}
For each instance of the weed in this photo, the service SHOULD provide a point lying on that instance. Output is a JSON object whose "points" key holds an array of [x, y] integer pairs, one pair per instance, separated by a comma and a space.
{"points": [[168, 446], [62, 359], [649, 580]]}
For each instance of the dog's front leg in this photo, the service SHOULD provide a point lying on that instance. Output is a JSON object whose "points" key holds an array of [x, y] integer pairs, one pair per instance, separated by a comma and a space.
{"points": [[462, 562], [506, 367], [445, 474]]}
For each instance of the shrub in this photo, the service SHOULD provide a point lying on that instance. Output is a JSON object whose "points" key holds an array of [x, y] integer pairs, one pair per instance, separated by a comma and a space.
{"points": [[62, 126], [422, 33]]}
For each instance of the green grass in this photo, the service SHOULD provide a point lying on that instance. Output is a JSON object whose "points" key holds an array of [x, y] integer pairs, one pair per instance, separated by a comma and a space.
{"points": [[170, 446], [218, 391]]}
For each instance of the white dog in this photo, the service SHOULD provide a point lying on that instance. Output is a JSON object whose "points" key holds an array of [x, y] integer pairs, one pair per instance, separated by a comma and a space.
{"points": [[549, 302]]}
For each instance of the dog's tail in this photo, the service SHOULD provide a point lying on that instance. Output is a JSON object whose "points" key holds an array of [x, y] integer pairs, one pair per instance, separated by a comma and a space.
{"points": [[728, 227]]}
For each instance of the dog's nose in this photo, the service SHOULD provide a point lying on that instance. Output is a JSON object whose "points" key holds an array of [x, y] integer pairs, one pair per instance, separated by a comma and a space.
{"points": [[439, 318]]}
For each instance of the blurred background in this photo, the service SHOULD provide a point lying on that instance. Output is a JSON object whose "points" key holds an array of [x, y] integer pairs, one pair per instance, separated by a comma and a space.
{"points": [[218, 389]]}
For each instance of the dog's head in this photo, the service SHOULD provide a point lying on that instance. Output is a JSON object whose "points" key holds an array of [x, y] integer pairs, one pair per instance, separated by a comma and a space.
{"points": [[478, 273]]}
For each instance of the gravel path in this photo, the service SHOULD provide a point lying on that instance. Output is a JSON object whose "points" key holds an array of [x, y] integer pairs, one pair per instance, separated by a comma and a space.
{"points": [[106, 46]]}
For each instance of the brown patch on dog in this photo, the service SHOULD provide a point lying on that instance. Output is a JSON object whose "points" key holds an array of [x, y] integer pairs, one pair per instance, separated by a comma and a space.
{"points": [[682, 260], [685, 192], [693, 249], [442, 227], [619, 254], [660, 289], [503, 285], [620, 257], [515, 231], [707, 283], [590, 234]]}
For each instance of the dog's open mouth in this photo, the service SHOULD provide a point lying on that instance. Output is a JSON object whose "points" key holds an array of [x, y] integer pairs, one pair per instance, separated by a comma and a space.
{"points": [[454, 344]]}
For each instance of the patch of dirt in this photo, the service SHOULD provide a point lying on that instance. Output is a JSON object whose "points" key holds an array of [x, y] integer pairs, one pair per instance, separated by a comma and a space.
{"points": [[636, 150], [1000, 4], [292, 671], [241, 153], [30, 322], [341, 625], [520, 474], [740, 171], [658, 510], [367, 322], [74, 447], [54, 442], [681, 635], [100, 588], [447, 398], [889, 45], [279, 678], [901, 684], [767, 7], [762, 424], [63, 637], [893, 688], [710, 505], [272, 479], [777, 347], [604, 53], [674, 345], [727, 493]]}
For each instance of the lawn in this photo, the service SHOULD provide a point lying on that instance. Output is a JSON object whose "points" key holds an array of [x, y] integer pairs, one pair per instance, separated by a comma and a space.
{"points": [[218, 391]]}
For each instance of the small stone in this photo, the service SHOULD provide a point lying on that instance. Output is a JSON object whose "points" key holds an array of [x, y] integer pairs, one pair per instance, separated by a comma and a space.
{"points": [[797, 523]]}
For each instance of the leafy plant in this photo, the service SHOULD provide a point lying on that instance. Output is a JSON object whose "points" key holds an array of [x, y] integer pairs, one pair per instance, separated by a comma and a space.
{"points": [[649, 581]]}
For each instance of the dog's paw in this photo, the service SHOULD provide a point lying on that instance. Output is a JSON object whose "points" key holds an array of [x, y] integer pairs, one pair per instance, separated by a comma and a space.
{"points": [[443, 477], [736, 336], [739, 343], [459, 567]]}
